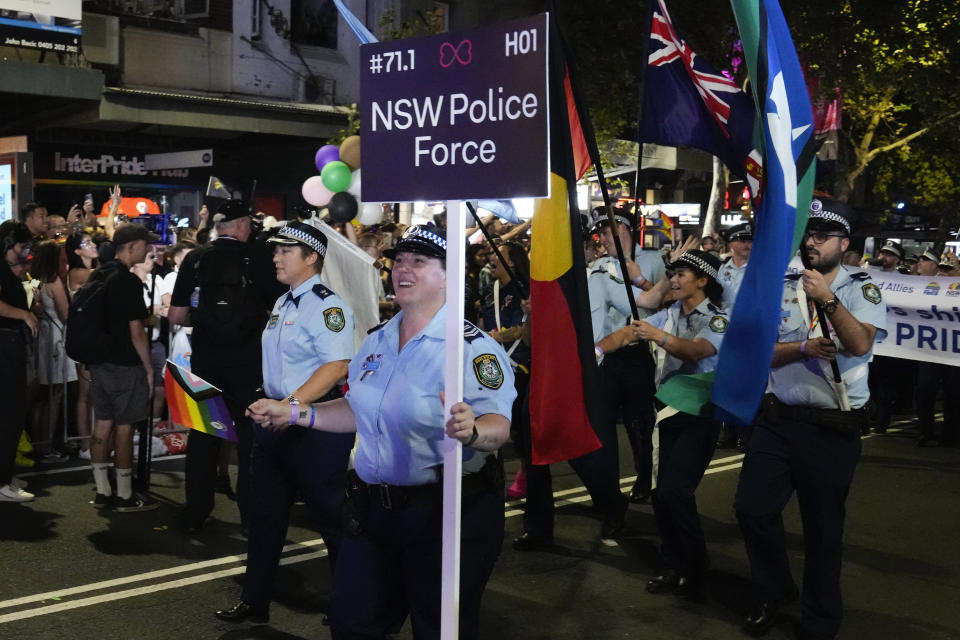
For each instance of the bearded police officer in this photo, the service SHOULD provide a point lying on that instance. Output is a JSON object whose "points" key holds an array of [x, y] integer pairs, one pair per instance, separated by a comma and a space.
{"points": [[307, 345], [807, 438]]}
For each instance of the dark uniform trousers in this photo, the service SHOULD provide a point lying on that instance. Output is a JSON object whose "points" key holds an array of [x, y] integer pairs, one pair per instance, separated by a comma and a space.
{"points": [[285, 464], [239, 385], [392, 565], [819, 464], [13, 394], [626, 386], [931, 377], [686, 447], [599, 476]]}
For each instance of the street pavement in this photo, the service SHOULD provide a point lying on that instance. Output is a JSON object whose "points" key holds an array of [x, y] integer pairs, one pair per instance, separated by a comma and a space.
{"points": [[70, 571]]}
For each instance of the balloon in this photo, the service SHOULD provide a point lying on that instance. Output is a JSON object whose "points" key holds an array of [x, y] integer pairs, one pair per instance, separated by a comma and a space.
{"points": [[342, 207], [350, 151], [326, 153], [370, 213], [354, 188], [314, 192], [336, 176]]}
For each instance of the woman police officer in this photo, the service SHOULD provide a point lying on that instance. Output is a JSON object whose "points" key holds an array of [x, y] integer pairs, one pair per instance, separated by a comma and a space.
{"points": [[389, 565]]}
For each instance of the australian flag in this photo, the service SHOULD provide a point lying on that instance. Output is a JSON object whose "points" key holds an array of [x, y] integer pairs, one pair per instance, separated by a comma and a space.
{"points": [[687, 103]]}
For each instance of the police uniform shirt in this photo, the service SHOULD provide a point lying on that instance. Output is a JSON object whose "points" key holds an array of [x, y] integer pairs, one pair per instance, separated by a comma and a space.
{"points": [[731, 277], [395, 397], [308, 327], [802, 383], [651, 264], [705, 321], [609, 307]]}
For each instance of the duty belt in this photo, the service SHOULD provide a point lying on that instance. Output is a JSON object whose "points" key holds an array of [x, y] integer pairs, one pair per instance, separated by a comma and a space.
{"points": [[849, 423], [390, 497]]}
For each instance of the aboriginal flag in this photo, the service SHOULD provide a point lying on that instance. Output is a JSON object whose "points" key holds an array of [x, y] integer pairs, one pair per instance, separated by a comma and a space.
{"points": [[564, 371]]}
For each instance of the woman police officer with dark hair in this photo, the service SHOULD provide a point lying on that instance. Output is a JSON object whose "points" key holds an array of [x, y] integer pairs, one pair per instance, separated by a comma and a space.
{"points": [[389, 566]]}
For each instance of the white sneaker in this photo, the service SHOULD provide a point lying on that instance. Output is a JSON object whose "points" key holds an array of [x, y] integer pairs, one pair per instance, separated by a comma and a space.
{"points": [[18, 482], [10, 493]]}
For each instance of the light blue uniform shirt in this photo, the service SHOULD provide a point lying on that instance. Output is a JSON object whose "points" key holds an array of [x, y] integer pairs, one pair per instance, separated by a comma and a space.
{"points": [[705, 321], [609, 307], [802, 383], [395, 397], [308, 327], [731, 277]]}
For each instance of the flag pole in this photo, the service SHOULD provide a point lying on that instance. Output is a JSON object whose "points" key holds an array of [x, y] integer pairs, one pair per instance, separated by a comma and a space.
{"points": [[590, 138], [641, 92], [486, 234], [452, 450]]}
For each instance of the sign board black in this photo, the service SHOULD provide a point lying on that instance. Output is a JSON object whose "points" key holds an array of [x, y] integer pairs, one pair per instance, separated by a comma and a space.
{"points": [[51, 25], [457, 115]]}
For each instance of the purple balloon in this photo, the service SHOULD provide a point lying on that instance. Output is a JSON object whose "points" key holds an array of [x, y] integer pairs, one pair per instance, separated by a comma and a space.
{"points": [[326, 153]]}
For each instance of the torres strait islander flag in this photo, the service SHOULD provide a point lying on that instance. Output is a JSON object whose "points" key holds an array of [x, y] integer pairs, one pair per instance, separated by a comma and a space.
{"points": [[197, 404], [563, 378]]}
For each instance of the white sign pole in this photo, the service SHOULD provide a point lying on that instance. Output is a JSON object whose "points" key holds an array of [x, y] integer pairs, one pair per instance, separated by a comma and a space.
{"points": [[453, 393]]}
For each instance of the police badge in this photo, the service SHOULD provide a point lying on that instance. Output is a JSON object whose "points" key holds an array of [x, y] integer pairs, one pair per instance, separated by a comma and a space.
{"points": [[333, 318], [718, 324], [488, 371], [871, 293]]}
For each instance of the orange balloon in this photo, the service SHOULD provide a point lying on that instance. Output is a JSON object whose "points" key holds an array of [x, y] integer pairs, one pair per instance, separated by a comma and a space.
{"points": [[350, 152]]}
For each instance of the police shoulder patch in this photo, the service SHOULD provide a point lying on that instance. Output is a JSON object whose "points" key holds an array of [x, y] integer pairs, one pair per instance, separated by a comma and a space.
{"points": [[488, 371], [718, 324], [333, 318], [321, 291], [471, 331], [871, 293]]}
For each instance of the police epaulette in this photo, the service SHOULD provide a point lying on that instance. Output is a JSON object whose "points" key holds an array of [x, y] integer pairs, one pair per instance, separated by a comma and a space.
{"points": [[321, 291], [470, 331], [793, 276], [715, 309], [376, 328], [860, 275]]}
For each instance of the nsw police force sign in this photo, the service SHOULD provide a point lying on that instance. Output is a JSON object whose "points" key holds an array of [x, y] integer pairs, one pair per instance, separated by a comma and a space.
{"points": [[457, 115]]}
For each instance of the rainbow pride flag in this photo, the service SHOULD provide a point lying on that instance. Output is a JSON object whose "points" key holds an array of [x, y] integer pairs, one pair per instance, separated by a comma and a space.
{"points": [[197, 404]]}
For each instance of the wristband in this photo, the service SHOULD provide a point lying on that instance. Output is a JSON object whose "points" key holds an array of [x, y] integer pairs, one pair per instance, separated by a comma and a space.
{"points": [[639, 281], [803, 347], [293, 415], [313, 416], [666, 336], [473, 438], [598, 351]]}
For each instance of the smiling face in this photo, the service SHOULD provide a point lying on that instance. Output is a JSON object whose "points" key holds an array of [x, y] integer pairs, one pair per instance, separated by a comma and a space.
{"points": [[87, 248], [418, 279], [606, 238], [684, 283]]}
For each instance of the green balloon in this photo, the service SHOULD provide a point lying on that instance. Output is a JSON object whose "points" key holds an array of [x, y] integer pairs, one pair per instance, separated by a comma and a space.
{"points": [[336, 176]]}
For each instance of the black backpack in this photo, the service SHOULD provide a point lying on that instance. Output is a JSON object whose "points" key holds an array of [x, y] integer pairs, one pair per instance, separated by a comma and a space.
{"points": [[88, 337], [229, 309]]}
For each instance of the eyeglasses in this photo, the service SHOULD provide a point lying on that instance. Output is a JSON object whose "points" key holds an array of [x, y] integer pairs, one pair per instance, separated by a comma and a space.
{"points": [[819, 237]]}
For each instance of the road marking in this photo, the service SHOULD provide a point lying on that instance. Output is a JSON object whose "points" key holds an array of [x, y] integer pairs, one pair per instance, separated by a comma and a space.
{"points": [[718, 465]]}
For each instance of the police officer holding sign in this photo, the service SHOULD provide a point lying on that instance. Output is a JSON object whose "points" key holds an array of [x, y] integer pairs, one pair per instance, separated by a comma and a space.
{"points": [[390, 562], [307, 344], [807, 438]]}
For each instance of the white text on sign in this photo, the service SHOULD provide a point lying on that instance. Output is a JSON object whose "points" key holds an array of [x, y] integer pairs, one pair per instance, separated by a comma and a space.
{"points": [[520, 42]]}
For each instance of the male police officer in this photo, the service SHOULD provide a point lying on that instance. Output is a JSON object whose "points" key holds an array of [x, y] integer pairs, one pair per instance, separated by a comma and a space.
{"points": [[224, 290], [307, 345], [740, 239], [626, 375], [803, 440]]}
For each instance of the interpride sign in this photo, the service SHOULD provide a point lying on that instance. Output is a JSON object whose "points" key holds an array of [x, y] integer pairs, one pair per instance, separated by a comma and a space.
{"points": [[456, 116]]}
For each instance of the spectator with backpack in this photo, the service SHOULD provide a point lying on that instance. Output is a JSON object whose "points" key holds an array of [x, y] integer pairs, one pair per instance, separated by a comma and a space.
{"points": [[106, 331], [225, 290]]}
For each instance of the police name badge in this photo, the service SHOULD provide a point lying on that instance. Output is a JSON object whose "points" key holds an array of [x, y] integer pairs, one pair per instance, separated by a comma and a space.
{"points": [[871, 293], [333, 318], [718, 324], [274, 319], [488, 371]]}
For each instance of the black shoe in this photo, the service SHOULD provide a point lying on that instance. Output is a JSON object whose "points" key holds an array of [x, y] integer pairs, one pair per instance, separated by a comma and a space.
{"points": [[243, 611], [223, 486], [690, 589], [761, 619], [530, 542], [134, 503], [102, 501], [640, 493], [615, 523], [666, 582]]}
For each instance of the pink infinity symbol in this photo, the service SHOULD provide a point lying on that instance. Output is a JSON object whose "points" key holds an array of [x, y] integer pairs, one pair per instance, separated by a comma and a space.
{"points": [[462, 53]]}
